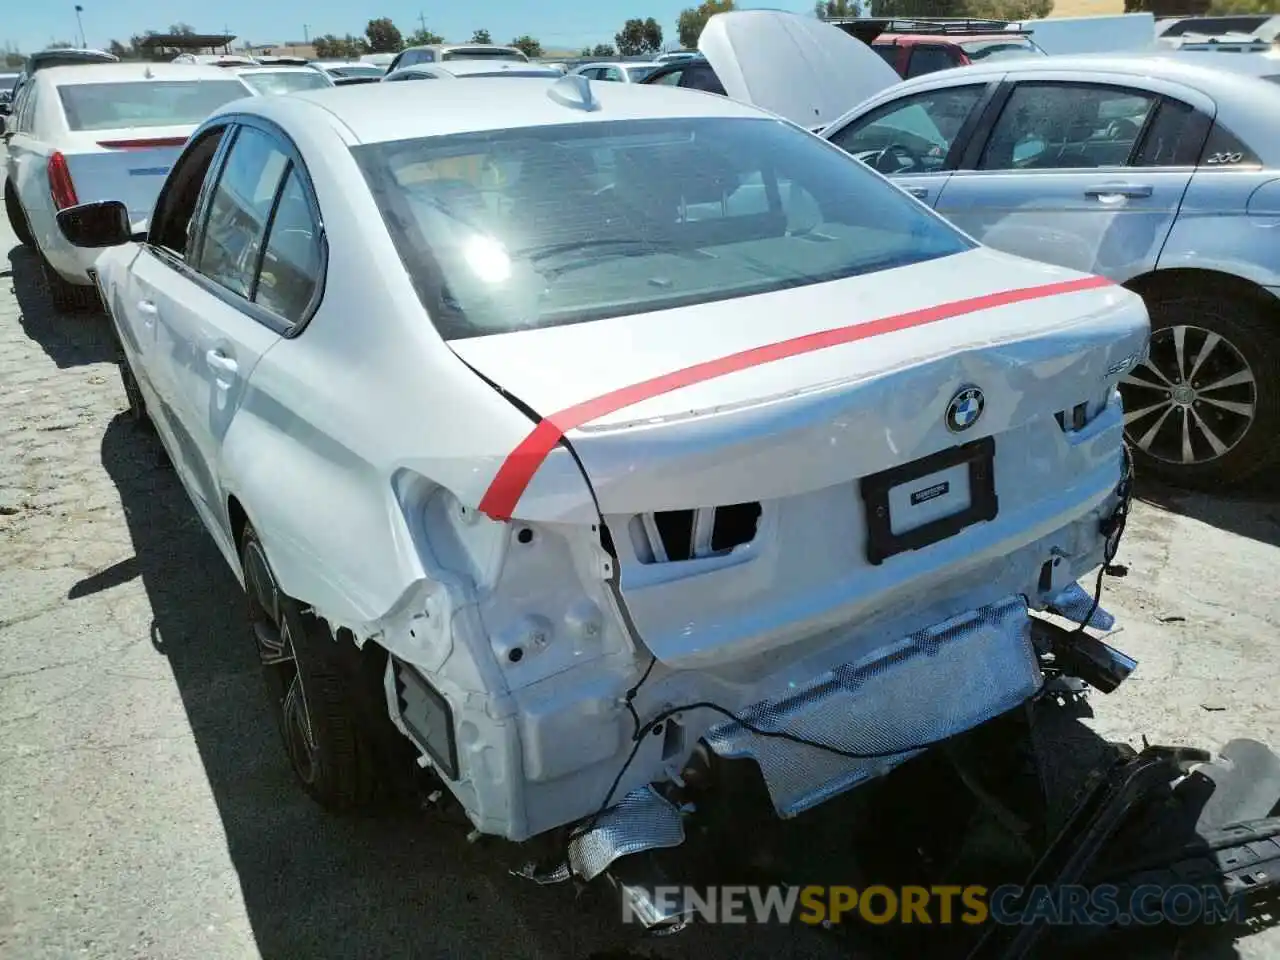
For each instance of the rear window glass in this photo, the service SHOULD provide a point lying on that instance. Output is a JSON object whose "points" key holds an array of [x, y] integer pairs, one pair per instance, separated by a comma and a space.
{"points": [[1000, 49], [505, 230], [356, 71], [639, 73], [464, 53], [513, 73], [145, 103], [286, 81]]}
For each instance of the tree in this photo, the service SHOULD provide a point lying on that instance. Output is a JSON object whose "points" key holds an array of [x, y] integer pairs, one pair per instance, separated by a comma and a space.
{"points": [[692, 20], [182, 30], [14, 59], [332, 47], [602, 51], [531, 47], [60, 45], [1242, 6], [384, 36], [118, 49], [423, 37], [639, 37], [584, 52], [1008, 9], [836, 9], [481, 36]]}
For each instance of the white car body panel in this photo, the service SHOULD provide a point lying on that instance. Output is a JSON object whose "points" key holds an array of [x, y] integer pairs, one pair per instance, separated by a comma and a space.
{"points": [[795, 66], [369, 513]]}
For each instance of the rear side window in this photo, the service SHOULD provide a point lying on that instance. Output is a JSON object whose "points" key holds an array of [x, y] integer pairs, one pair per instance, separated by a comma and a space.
{"points": [[929, 59], [1224, 149], [700, 76], [242, 202], [291, 263], [547, 225], [1173, 137], [145, 103], [889, 54]]}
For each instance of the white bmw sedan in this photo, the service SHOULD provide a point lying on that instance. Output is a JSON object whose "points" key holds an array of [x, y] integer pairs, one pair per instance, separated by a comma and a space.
{"points": [[94, 132], [565, 434]]}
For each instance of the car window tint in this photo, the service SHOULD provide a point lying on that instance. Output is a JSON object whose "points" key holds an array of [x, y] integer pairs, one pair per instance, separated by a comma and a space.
{"points": [[926, 59], [291, 264], [614, 74], [286, 81], [888, 53], [1049, 126], [1169, 141], [915, 133], [572, 222], [1224, 150], [239, 210], [671, 79], [173, 225]]}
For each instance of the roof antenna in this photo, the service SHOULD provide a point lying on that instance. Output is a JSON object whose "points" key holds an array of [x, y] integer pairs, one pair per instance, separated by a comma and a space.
{"points": [[574, 91]]}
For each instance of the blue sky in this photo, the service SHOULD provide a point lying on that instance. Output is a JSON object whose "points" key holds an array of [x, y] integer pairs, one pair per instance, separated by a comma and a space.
{"points": [[557, 23]]}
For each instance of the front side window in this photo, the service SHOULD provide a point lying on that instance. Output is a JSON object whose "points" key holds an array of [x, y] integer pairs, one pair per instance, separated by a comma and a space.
{"points": [[911, 135], [173, 223], [512, 229], [286, 81], [145, 103], [238, 213], [930, 59], [1053, 126]]}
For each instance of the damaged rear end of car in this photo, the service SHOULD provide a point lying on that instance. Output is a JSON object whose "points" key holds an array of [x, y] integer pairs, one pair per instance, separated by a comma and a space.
{"points": [[802, 462]]}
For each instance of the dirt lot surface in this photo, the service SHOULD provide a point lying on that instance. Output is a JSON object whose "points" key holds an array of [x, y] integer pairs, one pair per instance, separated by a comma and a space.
{"points": [[146, 809]]}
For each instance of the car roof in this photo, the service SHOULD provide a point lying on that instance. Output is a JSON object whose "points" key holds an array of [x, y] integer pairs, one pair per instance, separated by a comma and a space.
{"points": [[136, 70], [86, 54], [272, 68], [379, 112]]}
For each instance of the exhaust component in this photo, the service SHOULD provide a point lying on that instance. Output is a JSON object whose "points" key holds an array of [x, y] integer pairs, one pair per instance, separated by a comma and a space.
{"points": [[1074, 603], [1077, 654], [642, 820], [637, 880]]}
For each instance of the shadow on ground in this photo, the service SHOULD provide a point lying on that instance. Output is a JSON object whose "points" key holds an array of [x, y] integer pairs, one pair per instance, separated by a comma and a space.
{"points": [[70, 339], [1252, 511]]}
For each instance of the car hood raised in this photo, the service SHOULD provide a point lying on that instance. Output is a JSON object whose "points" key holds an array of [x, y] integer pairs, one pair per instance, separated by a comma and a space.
{"points": [[795, 66]]}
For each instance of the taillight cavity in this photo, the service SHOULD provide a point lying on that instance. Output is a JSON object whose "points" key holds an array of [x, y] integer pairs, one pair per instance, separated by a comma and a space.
{"points": [[61, 188]]}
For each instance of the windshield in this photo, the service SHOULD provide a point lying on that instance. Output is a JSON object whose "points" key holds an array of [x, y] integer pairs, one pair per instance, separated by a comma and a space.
{"points": [[483, 53], [7, 82], [1000, 49], [639, 73], [286, 81], [145, 103], [504, 230]]}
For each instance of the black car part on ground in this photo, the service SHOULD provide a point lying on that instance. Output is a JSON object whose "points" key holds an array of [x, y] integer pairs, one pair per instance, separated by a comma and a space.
{"points": [[867, 29]]}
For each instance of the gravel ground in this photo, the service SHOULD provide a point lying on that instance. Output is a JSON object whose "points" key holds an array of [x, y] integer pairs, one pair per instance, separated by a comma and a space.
{"points": [[146, 808]]}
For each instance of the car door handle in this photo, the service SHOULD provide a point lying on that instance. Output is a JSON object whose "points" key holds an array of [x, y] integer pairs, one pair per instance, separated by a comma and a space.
{"points": [[220, 361], [920, 193], [147, 308], [1108, 190]]}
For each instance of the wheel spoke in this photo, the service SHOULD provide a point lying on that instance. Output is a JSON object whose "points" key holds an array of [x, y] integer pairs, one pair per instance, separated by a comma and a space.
{"points": [[1237, 379], [1132, 415], [1210, 342], [1240, 409], [1180, 351], [1219, 448], [1149, 365], [1149, 437], [296, 699], [1188, 454]]}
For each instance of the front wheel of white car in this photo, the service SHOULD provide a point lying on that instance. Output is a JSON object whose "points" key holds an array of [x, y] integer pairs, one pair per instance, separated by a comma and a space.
{"points": [[309, 695], [1203, 410]]}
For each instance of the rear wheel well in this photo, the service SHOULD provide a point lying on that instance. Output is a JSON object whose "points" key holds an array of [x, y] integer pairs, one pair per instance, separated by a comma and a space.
{"points": [[1169, 284]]}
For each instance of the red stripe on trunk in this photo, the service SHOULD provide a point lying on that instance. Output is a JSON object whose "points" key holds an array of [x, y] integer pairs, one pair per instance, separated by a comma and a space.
{"points": [[499, 501]]}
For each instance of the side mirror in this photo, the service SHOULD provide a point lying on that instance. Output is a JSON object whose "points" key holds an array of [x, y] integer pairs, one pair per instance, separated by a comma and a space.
{"points": [[103, 223]]}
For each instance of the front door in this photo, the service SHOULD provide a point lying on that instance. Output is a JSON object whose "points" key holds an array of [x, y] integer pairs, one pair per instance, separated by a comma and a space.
{"points": [[913, 139], [1083, 175]]}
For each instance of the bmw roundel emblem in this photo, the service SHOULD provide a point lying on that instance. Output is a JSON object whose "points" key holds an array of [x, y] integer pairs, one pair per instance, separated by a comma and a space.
{"points": [[965, 409]]}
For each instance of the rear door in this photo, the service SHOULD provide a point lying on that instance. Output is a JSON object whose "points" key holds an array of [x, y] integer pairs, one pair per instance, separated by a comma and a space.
{"points": [[915, 139], [1084, 174], [251, 278]]}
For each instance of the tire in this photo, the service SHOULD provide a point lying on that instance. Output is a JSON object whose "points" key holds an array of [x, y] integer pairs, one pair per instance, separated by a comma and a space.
{"points": [[68, 297], [1199, 342], [311, 698], [17, 217]]}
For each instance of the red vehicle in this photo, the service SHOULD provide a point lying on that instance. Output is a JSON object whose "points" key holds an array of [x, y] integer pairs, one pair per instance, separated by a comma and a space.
{"points": [[915, 47]]}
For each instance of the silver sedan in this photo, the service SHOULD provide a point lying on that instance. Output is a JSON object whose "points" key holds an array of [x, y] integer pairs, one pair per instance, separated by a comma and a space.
{"points": [[1160, 172]]}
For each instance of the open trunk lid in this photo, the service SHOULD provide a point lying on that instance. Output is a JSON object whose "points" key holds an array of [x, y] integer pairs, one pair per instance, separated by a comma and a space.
{"points": [[726, 443], [795, 66]]}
